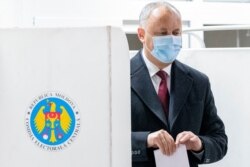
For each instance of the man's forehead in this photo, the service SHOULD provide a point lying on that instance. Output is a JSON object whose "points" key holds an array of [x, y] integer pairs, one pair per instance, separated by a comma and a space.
{"points": [[162, 18], [164, 11]]}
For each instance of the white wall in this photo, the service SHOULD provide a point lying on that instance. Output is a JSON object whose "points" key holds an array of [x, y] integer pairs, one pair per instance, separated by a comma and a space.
{"points": [[27, 13], [9, 12], [23, 12], [77, 13]]}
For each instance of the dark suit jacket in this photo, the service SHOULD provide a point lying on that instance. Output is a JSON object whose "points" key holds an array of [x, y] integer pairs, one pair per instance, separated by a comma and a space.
{"points": [[191, 108]]}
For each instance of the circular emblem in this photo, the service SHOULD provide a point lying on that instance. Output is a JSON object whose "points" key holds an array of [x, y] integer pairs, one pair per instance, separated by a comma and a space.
{"points": [[52, 121]]}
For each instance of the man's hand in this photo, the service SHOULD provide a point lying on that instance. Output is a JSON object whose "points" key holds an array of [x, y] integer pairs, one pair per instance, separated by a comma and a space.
{"points": [[191, 141], [163, 140]]}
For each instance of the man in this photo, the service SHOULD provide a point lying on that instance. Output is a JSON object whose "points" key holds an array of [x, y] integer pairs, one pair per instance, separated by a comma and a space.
{"points": [[172, 103]]}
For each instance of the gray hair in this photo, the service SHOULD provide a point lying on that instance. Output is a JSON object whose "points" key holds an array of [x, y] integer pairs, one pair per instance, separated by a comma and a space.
{"points": [[147, 10]]}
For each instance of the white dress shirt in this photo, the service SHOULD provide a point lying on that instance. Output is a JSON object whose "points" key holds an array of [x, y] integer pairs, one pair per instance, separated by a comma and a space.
{"points": [[153, 69]]}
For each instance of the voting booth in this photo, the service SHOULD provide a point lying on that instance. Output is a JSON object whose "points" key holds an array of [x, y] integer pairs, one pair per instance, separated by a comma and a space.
{"points": [[228, 71], [64, 97]]}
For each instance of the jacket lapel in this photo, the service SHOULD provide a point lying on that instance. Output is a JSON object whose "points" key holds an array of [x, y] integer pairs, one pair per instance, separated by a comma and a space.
{"points": [[181, 84], [141, 83]]}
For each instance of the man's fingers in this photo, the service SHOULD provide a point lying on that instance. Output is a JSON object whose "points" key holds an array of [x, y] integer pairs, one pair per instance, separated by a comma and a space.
{"points": [[163, 140], [179, 136], [168, 143], [185, 138], [194, 138], [161, 147], [172, 147], [191, 141], [182, 138], [171, 144]]}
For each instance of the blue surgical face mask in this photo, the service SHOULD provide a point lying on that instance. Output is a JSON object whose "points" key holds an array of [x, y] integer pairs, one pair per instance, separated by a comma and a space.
{"points": [[166, 48]]}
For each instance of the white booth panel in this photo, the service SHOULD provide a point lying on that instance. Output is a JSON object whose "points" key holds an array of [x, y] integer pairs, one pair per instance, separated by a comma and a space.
{"points": [[228, 70], [89, 66]]}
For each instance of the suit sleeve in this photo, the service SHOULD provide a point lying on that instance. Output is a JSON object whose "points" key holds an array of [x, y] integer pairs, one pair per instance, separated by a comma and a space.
{"points": [[139, 135], [212, 131], [139, 146]]}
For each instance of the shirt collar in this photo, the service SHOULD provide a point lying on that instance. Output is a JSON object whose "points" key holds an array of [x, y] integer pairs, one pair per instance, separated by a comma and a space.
{"points": [[153, 69]]}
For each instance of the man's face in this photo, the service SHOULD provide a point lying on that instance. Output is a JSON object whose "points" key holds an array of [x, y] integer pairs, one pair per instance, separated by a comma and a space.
{"points": [[161, 22]]}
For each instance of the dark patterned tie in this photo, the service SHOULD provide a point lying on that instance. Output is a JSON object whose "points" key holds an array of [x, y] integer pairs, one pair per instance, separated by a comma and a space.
{"points": [[163, 91]]}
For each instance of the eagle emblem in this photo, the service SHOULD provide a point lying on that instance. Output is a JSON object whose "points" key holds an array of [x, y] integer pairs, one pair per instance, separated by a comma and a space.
{"points": [[53, 124]]}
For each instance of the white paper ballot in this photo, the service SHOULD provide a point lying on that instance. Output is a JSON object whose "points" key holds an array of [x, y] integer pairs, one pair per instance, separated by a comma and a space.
{"points": [[178, 159]]}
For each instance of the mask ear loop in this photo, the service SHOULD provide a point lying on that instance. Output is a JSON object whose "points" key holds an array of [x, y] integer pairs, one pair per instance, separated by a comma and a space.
{"points": [[147, 49], [145, 46]]}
